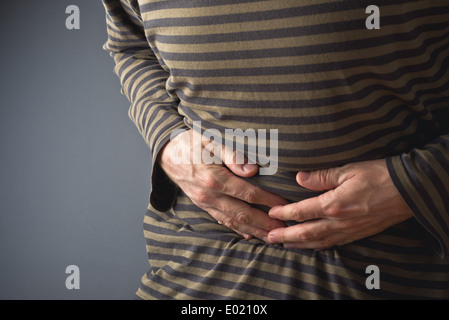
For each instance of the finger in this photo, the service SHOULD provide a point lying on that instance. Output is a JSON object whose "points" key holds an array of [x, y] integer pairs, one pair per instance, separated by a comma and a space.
{"points": [[244, 170], [338, 239], [238, 163], [304, 210], [212, 152], [242, 218], [319, 180], [246, 236], [319, 234], [305, 232], [245, 230], [243, 213], [219, 216], [244, 190]]}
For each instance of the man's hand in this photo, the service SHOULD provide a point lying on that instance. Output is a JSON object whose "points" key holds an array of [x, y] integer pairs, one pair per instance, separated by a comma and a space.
{"points": [[362, 201], [216, 188]]}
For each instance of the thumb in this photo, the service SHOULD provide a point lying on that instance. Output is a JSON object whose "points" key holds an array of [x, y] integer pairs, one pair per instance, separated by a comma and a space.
{"points": [[244, 170], [319, 180], [238, 163], [234, 161]]}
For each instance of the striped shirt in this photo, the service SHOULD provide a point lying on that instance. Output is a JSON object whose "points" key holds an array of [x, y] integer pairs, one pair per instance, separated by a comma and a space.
{"points": [[336, 91]]}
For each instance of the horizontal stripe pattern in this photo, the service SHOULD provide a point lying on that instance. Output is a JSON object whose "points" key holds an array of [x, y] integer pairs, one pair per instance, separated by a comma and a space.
{"points": [[336, 92], [185, 243]]}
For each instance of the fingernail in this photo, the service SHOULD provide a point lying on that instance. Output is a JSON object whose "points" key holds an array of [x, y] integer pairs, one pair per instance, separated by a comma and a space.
{"points": [[304, 175], [272, 238], [273, 210], [247, 167]]}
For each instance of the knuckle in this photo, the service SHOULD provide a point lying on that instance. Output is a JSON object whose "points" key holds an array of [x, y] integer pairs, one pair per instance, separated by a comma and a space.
{"points": [[242, 217], [202, 197], [211, 183], [304, 236], [229, 223], [326, 244], [334, 210], [258, 233], [250, 195], [323, 174], [295, 213], [271, 224], [330, 205]]}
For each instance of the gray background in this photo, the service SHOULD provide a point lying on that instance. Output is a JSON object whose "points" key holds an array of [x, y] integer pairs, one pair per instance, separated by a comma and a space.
{"points": [[74, 171]]}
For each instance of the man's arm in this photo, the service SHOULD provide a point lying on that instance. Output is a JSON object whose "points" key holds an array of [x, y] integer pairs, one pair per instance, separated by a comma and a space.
{"points": [[143, 81], [366, 198], [214, 188], [422, 178], [218, 189], [360, 200]]}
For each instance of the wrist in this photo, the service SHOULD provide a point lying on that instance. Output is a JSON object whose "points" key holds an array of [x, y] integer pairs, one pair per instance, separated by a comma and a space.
{"points": [[174, 149]]}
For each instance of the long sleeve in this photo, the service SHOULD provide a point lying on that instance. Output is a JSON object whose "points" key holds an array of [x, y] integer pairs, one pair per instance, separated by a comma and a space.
{"points": [[334, 92], [422, 177], [143, 81]]}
